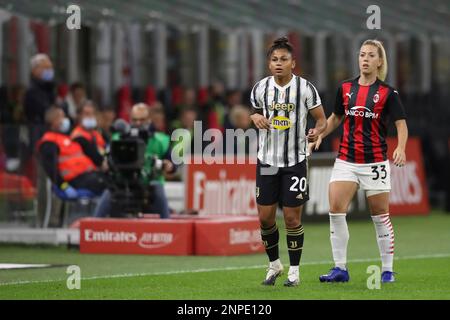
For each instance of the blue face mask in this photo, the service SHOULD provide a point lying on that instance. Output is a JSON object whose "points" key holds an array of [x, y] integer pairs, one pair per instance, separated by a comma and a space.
{"points": [[65, 125], [48, 75], [89, 123]]}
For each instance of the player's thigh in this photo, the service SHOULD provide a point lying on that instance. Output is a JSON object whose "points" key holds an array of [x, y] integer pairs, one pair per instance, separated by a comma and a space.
{"points": [[267, 184], [378, 202], [343, 185], [294, 185], [375, 179], [267, 192], [340, 195]]}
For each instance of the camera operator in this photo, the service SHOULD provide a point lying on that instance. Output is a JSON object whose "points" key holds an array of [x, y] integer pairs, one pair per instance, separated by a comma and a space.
{"points": [[157, 162]]}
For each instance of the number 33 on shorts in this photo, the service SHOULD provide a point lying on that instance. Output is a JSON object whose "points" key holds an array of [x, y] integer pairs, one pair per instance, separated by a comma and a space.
{"points": [[377, 169], [369, 176], [380, 176]]}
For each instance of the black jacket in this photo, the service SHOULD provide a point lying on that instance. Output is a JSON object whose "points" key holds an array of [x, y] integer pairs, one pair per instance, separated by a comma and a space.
{"points": [[38, 98]]}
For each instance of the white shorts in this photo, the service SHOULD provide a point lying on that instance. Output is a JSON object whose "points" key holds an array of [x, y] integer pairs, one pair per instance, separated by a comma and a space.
{"points": [[372, 177]]}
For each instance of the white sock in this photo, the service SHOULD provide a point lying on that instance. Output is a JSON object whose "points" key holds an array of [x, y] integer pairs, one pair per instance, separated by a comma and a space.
{"points": [[293, 273], [339, 239], [293, 269], [276, 262], [385, 239]]}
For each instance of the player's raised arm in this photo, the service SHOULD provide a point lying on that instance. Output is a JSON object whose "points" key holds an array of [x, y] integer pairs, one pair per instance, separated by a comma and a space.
{"points": [[321, 123], [260, 121], [399, 155], [257, 116], [398, 114], [333, 121]]}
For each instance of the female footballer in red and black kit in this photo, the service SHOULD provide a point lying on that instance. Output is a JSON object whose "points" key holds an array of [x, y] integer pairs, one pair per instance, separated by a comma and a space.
{"points": [[365, 104], [281, 103]]}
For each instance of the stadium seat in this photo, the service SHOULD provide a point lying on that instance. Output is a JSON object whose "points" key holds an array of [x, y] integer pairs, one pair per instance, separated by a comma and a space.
{"points": [[82, 194]]}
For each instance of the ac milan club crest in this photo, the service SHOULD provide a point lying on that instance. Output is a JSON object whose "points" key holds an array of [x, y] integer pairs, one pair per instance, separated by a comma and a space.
{"points": [[376, 97]]}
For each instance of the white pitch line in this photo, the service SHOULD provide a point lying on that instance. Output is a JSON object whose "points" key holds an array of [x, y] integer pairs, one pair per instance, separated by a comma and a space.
{"points": [[128, 275]]}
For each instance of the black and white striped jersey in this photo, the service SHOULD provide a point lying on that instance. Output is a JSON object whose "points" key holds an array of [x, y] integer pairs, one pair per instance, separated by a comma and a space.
{"points": [[286, 107]]}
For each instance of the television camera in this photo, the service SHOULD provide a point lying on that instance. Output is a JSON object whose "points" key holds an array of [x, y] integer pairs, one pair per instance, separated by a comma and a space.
{"points": [[131, 170]]}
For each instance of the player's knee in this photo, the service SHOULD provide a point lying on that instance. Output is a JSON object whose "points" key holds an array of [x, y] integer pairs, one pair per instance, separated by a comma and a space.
{"points": [[338, 208], [337, 205], [266, 222], [291, 221], [376, 210]]}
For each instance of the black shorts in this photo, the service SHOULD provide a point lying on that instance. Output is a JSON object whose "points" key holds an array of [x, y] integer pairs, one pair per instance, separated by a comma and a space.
{"points": [[287, 186]]}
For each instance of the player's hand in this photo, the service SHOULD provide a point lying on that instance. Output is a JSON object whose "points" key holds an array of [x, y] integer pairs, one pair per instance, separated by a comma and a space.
{"points": [[399, 157], [260, 121], [167, 165], [312, 135], [315, 145]]}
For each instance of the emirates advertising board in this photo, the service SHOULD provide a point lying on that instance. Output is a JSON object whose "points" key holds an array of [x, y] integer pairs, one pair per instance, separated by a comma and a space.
{"points": [[221, 188]]}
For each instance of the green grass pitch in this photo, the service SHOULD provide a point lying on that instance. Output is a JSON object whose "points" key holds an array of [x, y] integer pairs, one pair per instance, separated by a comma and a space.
{"points": [[422, 265]]}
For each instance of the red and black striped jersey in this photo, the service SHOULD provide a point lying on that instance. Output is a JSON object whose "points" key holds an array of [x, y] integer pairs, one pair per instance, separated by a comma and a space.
{"points": [[367, 111]]}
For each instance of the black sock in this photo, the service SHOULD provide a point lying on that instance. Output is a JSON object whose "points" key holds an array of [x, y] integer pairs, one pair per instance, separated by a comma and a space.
{"points": [[294, 239], [270, 237]]}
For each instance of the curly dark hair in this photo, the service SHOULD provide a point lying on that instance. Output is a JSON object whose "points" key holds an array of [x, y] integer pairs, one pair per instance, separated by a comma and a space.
{"points": [[280, 43]]}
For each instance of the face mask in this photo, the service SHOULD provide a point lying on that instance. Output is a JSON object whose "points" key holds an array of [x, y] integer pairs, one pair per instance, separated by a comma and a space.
{"points": [[89, 123], [65, 125], [47, 75]]}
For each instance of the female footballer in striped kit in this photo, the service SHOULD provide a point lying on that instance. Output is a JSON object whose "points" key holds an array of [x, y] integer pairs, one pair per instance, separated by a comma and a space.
{"points": [[281, 103], [365, 105]]}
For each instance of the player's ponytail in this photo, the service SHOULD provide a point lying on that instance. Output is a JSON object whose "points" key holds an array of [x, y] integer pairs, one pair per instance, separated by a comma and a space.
{"points": [[383, 69], [280, 43]]}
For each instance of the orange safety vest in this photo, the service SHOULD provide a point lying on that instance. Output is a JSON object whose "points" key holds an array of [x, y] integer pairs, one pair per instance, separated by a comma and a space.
{"points": [[79, 131], [72, 162]]}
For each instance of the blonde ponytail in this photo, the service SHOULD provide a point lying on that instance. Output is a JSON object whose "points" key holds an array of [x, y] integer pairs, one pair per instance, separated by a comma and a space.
{"points": [[383, 69]]}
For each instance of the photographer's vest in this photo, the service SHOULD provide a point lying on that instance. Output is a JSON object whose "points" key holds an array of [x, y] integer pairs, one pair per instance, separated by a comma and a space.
{"points": [[72, 162], [92, 136]]}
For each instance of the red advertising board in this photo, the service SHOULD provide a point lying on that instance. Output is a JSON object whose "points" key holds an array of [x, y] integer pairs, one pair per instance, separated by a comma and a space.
{"points": [[221, 188], [216, 235], [213, 188], [137, 236], [409, 193], [228, 236]]}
